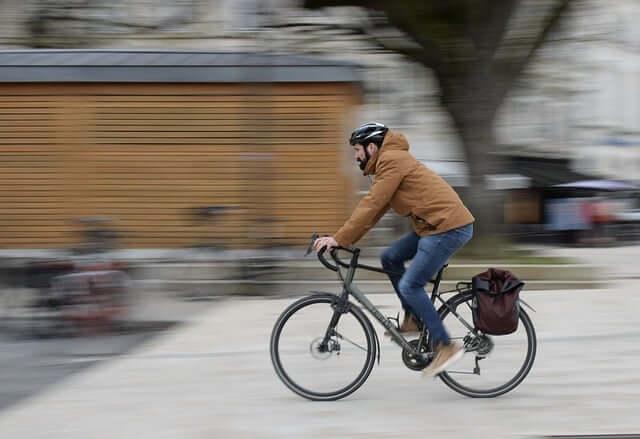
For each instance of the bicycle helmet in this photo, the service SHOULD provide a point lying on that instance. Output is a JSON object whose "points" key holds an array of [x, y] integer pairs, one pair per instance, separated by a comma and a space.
{"points": [[370, 132]]}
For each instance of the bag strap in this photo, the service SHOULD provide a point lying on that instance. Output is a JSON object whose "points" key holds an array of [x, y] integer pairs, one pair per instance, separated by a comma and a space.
{"points": [[511, 284], [480, 284]]}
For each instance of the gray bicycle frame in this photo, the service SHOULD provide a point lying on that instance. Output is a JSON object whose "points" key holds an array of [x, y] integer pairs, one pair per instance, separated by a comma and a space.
{"points": [[350, 288]]}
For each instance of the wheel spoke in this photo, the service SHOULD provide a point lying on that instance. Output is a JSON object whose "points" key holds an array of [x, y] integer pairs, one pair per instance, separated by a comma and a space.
{"points": [[342, 337]]}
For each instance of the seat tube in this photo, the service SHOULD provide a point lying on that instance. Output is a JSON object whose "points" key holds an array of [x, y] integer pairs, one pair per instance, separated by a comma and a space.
{"points": [[436, 284]]}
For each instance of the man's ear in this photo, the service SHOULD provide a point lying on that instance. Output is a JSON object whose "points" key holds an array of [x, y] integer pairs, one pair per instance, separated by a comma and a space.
{"points": [[372, 148]]}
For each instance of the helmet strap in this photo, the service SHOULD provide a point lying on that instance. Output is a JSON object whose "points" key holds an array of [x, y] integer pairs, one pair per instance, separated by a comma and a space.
{"points": [[367, 157]]}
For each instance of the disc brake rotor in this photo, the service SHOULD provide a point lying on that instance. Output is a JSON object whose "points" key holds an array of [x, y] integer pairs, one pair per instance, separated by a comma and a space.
{"points": [[322, 353]]}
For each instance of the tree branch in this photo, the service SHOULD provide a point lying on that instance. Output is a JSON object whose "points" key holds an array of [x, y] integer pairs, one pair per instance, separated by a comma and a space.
{"points": [[400, 17], [513, 70], [499, 14], [431, 55], [414, 47]]}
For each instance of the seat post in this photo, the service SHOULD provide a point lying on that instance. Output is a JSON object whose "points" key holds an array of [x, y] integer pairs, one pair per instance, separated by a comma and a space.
{"points": [[436, 281]]}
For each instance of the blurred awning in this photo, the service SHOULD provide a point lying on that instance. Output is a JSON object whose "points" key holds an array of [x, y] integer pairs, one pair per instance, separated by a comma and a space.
{"points": [[520, 172], [545, 172], [599, 185]]}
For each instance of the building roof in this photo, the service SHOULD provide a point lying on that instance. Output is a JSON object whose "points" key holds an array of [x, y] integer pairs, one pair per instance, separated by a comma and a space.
{"points": [[168, 66], [545, 172]]}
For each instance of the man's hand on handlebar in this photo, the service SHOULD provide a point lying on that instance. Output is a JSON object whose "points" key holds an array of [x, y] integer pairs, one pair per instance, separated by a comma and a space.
{"points": [[325, 242]]}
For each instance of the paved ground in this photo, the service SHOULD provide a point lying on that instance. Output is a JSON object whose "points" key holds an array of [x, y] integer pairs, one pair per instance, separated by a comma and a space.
{"points": [[29, 365], [621, 262], [212, 378]]}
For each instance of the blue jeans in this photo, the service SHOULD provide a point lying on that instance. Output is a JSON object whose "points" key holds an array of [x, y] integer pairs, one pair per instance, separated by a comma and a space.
{"points": [[429, 254]]}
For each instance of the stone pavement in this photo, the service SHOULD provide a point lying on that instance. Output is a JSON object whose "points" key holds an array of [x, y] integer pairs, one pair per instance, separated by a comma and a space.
{"points": [[620, 262], [212, 377]]}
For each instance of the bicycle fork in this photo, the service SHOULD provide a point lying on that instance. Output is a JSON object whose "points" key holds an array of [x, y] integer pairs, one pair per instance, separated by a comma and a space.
{"points": [[339, 306], [342, 306]]}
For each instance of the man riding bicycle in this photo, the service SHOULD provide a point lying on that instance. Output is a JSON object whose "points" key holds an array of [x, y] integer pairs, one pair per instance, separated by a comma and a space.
{"points": [[441, 225]]}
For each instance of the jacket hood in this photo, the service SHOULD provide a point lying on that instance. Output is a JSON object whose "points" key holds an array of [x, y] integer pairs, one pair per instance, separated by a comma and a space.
{"points": [[392, 141]]}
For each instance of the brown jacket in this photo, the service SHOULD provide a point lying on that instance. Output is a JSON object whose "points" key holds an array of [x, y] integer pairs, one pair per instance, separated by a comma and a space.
{"points": [[410, 189]]}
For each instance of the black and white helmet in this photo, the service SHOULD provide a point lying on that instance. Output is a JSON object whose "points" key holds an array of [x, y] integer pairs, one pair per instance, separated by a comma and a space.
{"points": [[367, 133]]}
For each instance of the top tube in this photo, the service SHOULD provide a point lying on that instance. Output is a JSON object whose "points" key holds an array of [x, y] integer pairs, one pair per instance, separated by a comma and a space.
{"points": [[355, 253]]}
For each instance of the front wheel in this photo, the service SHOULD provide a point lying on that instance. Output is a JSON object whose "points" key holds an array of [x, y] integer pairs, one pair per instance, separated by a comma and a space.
{"points": [[320, 351], [492, 365]]}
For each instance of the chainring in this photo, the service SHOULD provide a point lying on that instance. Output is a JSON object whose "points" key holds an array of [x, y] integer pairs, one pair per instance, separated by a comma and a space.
{"points": [[413, 362]]}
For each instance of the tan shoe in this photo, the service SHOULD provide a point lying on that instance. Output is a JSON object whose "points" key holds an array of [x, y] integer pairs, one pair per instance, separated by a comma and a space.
{"points": [[446, 355], [409, 325]]}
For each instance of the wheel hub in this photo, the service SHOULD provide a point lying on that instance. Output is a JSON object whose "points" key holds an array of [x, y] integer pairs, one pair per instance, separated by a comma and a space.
{"points": [[322, 351]]}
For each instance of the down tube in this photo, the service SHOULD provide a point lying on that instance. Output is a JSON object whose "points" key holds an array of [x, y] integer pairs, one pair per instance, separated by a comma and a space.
{"points": [[388, 325]]}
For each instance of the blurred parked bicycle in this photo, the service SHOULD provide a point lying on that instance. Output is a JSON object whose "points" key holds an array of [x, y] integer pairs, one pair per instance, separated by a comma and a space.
{"points": [[85, 292]]}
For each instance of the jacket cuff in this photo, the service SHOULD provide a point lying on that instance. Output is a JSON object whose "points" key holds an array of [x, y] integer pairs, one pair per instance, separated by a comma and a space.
{"points": [[341, 239]]}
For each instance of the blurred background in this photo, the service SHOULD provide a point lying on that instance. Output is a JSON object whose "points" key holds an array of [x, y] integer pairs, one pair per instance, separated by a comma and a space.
{"points": [[148, 111], [158, 154]]}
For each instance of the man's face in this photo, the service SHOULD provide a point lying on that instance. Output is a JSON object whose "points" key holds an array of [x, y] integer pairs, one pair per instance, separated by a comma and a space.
{"points": [[361, 156]]}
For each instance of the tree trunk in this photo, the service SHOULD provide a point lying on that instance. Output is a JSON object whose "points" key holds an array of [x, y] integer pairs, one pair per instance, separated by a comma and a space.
{"points": [[474, 121]]}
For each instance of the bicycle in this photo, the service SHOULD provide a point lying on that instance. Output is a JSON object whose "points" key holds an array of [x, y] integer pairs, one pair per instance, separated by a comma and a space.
{"points": [[85, 291], [328, 330]]}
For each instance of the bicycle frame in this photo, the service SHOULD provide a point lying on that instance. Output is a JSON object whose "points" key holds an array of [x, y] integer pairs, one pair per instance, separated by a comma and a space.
{"points": [[350, 289]]}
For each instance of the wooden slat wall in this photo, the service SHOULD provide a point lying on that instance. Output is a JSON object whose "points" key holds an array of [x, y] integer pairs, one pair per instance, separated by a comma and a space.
{"points": [[145, 155], [32, 201]]}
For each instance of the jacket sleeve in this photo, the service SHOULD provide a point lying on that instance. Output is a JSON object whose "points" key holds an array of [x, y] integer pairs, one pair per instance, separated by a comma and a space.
{"points": [[370, 209]]}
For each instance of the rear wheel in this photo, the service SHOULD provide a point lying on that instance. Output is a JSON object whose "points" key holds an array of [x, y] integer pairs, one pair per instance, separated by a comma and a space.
{"points": [[492, 365], [316, 359]]}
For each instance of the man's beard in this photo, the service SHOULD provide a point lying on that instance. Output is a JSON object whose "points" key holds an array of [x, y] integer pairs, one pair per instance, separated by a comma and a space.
{"points": [[363, 163]]}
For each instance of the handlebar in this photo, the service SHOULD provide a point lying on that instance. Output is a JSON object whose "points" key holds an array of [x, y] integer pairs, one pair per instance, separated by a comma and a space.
{"points": [[324, 261], [355, 252], [333, 254]]}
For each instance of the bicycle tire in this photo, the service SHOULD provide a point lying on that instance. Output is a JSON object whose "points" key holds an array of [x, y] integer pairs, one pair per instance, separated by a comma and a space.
{"points": [[371, 351], [524, 370]]}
